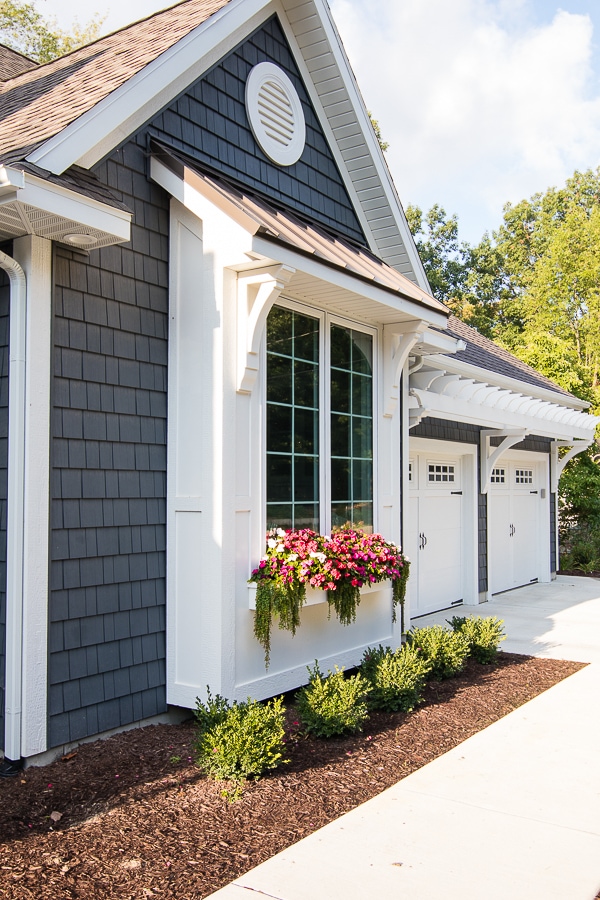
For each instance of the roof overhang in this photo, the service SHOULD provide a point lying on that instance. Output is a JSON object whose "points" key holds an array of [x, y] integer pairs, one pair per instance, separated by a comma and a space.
{"points": [[330, 83], [31, 205], [325, 272]]}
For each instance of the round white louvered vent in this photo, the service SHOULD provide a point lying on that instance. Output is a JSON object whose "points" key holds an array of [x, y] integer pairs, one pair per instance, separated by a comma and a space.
{"points": [[275, 114]]}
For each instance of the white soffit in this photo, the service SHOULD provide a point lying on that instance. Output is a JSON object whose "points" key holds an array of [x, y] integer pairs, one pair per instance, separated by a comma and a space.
{"points": [[329, 80], [30, 205]]}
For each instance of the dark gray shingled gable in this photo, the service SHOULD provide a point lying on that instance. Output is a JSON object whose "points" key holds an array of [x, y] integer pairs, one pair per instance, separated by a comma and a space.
{"points": [[209, 123], [108, 488], [445, 430], [4, 332]]}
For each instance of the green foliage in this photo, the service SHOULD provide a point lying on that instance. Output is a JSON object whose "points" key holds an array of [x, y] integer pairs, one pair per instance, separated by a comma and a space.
{"points": [[383, 144], [235, 742], [484, 635], [396, 677], [333, 705], [579, 491], [24, 29], [444, 259], [445, 650], [580, 549], [283, 601]]}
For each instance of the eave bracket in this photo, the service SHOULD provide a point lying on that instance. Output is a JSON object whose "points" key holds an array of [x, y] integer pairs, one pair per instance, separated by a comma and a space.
{"points": [[490, 455]]}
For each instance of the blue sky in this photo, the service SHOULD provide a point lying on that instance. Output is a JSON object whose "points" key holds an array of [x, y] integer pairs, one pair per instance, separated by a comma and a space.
{"points": [[481, 101]]}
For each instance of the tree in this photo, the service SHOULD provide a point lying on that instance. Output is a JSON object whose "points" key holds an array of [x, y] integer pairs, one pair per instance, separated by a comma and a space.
{"points": [[443, 258], [24, 29], [383, 144], [534, 285]]}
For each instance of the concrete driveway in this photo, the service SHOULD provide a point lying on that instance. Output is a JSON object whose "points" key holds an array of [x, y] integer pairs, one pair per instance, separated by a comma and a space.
{"points": [[560, 620], [512, 812]]}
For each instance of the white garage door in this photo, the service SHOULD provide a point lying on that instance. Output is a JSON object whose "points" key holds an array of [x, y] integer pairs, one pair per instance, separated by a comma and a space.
{"points": [[515, 517], [436, 527]]}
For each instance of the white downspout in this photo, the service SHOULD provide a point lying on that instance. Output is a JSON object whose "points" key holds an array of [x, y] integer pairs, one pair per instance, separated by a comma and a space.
{"points": [[15, 507]]}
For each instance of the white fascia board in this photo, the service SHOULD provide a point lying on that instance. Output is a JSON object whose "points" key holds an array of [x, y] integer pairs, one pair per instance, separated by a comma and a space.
{"points": [[11, 180], [458, 367], [347, 282], [444, 407], [237, 241], [92, 136], [67, 204], [370, 140]]}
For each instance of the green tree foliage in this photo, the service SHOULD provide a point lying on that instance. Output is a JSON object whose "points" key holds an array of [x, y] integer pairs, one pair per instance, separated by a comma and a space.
{"points": [[533, 286], [383, 144], [25, 29]]}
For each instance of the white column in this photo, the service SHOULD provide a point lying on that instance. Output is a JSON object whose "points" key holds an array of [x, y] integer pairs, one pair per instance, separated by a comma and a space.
{"points": [[35, 256]]}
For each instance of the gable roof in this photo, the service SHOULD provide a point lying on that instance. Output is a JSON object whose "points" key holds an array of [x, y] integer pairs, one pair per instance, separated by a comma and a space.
{"points": [[13, 63], [77, 109], [41, 102]]}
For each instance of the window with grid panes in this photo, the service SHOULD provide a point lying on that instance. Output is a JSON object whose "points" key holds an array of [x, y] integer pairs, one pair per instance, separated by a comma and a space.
{"points": [[296, 423]]}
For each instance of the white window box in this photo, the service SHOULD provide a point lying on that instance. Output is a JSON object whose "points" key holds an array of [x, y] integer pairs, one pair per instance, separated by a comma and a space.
{"points": [[315, 596]]}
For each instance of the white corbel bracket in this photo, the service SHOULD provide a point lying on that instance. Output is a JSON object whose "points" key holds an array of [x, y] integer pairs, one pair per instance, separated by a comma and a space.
{"points": [[557, 463], [398, 341], [490, 455], [258, 290]]}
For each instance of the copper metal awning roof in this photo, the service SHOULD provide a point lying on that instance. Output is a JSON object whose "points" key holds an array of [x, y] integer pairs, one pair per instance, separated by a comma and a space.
{"points": [[281, 226]]}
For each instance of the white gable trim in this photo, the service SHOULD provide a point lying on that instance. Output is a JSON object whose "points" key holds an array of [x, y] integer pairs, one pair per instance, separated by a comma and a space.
{"points": [[331, 85], [97, 132]]}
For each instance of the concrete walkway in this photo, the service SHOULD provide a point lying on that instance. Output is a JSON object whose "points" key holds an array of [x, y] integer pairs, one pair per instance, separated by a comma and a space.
{"points": [[513, 812]]}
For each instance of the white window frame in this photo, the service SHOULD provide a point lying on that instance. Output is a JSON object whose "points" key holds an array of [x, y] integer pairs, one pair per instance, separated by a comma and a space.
{"points": [[326, 320]]}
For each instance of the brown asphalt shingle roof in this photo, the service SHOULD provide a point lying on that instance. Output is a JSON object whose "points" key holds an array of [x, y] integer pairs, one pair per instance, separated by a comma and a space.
{"points": [[13, 63], [482, 352], [37, 104]]}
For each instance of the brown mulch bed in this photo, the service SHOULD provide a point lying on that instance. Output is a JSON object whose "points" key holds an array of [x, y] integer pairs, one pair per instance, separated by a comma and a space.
{"points": [[132, 817]]}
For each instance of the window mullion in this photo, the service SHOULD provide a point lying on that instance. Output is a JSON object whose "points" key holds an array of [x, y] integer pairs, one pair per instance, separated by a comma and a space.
{"points": [[324, 425]]}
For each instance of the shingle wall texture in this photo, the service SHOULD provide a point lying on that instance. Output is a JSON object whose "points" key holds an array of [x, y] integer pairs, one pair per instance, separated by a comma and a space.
{"points": [[4, 332], [209, 123], [108, 483]]}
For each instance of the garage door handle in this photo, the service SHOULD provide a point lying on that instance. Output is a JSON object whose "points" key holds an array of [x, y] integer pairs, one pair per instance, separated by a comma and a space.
{"points": [[533, 492], [460, 492], [422, 541]]}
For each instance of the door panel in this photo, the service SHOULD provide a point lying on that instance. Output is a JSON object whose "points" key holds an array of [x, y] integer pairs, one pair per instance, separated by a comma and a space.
{"points": [[436, 534], [500, 526], [440, 558], [525, 562], [513, 522]]}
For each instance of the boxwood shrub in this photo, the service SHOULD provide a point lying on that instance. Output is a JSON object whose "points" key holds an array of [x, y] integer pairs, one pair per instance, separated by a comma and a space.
{"points": [[396, 677], [334, 704], [446, 651]]}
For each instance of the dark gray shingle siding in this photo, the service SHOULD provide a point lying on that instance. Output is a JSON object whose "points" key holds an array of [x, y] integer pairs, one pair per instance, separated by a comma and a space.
{"points": [[4, 333], [108, 488], [210, 124]]}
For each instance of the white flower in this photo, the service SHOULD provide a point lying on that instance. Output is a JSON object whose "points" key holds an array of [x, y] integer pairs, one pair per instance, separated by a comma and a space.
{"points": [[271, 543], [281, 532], [320, 556], [292, 557], [279, 548]]}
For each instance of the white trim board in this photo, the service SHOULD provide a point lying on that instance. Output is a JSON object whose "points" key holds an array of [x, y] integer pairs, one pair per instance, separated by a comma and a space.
{"points": [[332, 88]]}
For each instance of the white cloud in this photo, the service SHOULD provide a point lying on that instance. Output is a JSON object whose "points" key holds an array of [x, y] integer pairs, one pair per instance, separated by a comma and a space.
{"points": [[479, 106]]}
